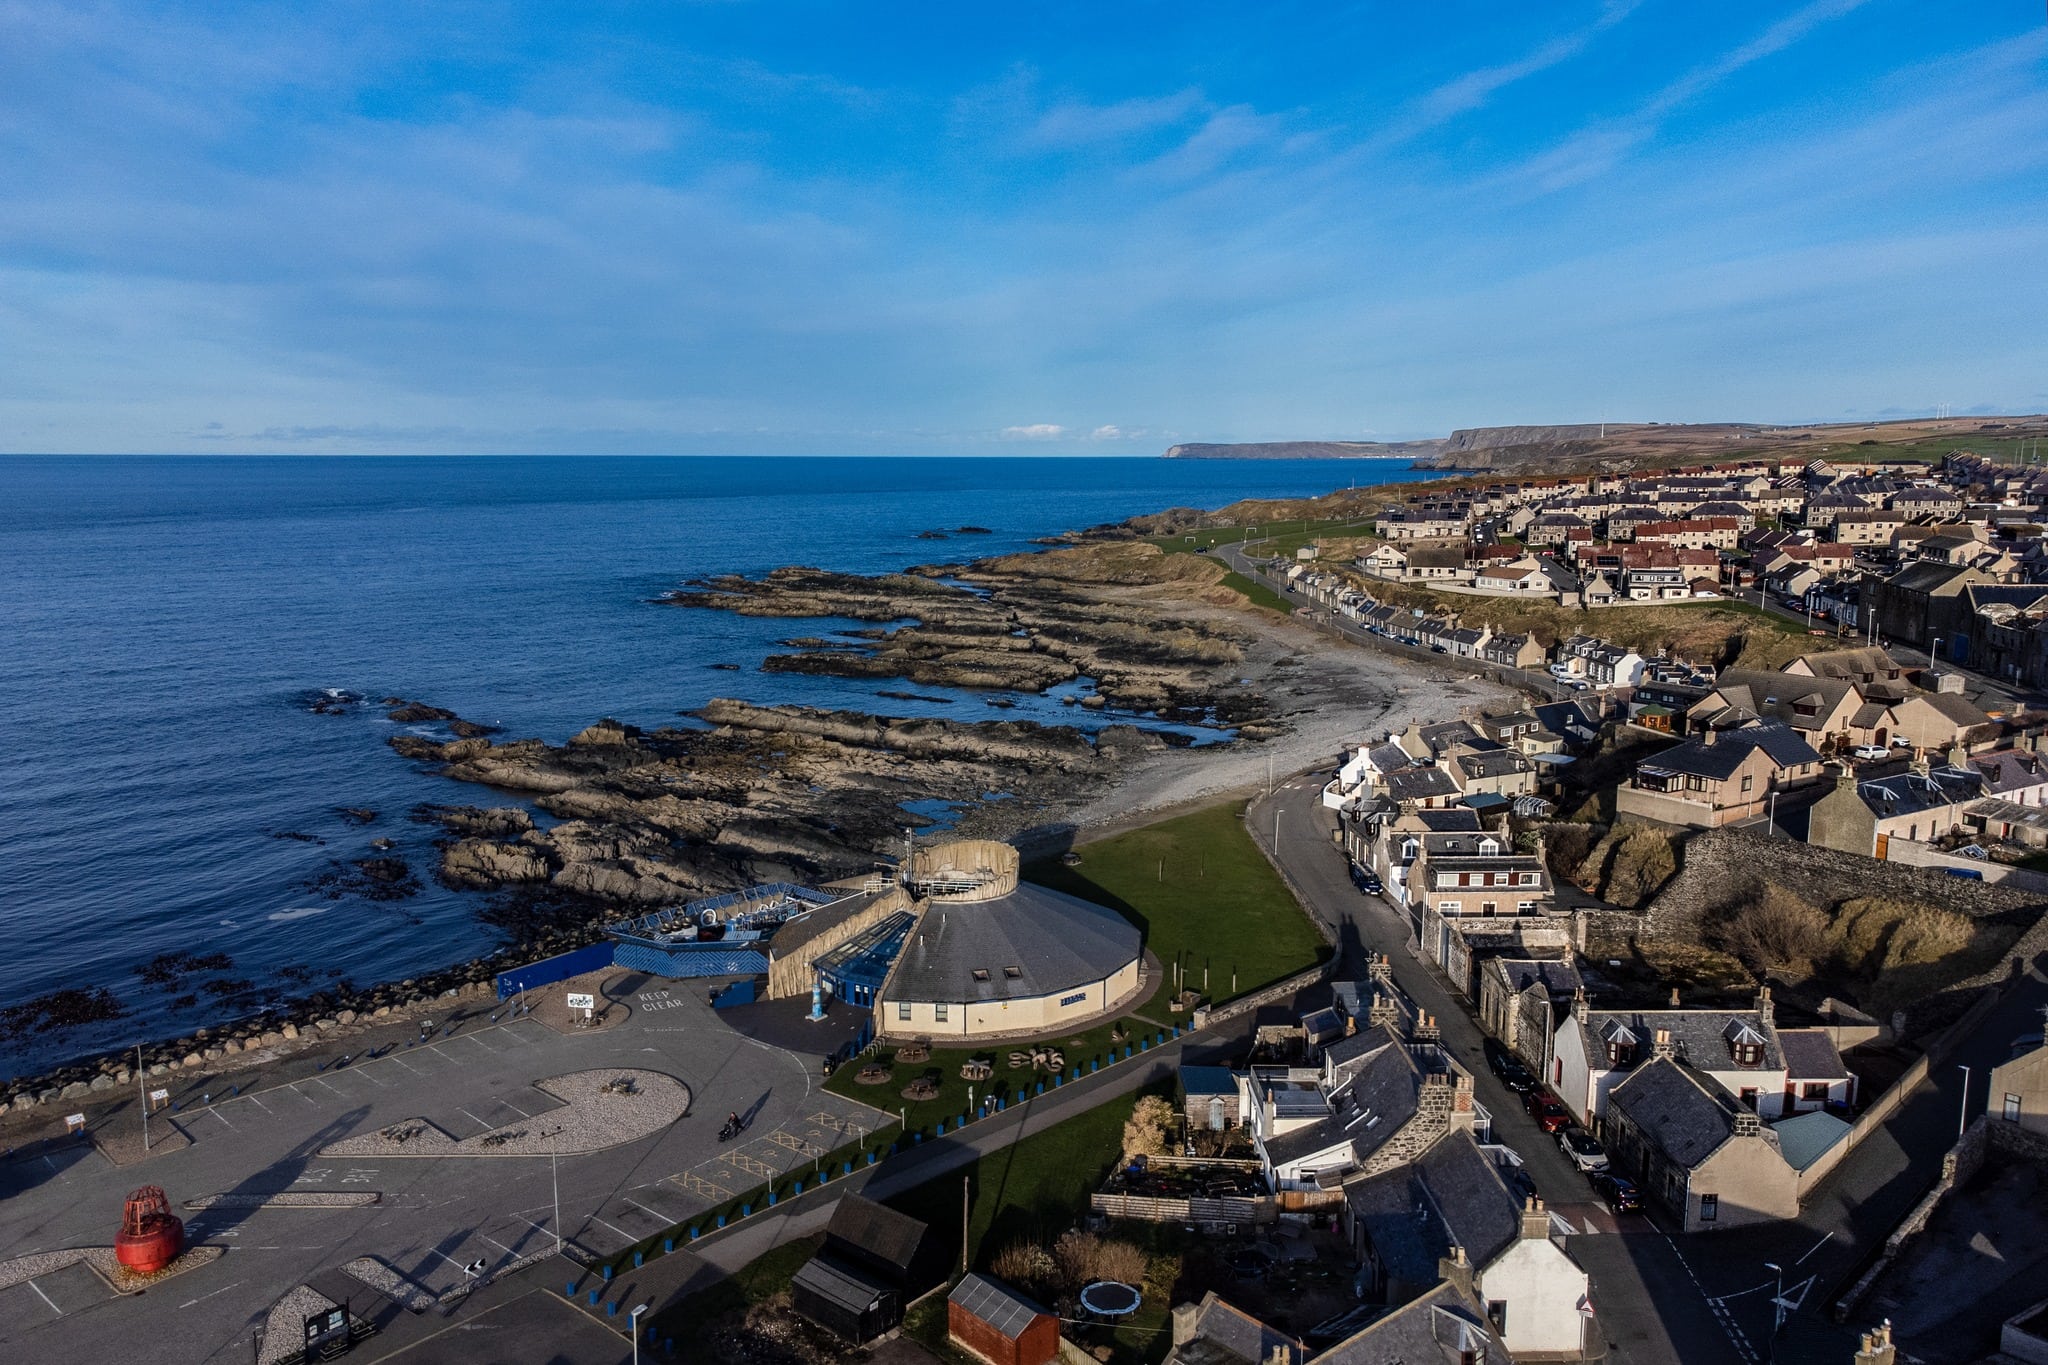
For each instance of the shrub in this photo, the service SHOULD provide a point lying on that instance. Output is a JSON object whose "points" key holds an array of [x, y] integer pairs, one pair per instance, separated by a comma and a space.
{"points": [[1565, 847], [1077, 1252], [1642, 862], [1145, 1132], [1121, 1261], [1027, 1265], [1776, 932], [1875, 935]]}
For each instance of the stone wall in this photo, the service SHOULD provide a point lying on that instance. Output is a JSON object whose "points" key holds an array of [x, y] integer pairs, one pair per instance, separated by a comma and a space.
{"points": [[1727, 867]]}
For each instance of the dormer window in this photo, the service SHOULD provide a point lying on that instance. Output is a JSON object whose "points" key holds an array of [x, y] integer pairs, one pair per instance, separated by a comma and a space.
{"points": [[981, 973], [1745, 1044], [1013, 973]]}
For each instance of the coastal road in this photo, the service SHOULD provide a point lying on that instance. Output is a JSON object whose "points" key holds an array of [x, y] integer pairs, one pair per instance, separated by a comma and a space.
{"points": [[1650, 1309], [1333, 623]]}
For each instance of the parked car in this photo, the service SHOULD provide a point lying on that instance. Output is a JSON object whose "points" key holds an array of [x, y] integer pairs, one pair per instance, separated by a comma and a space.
{"points": [[1548, 1111], [1509, 1068], [1872, 751], [1618, 1192], [1371, 885], [1582, 1149]]}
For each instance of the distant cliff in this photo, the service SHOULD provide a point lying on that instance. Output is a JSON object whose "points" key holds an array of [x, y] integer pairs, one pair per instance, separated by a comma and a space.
{"points": [[1306, 450]]}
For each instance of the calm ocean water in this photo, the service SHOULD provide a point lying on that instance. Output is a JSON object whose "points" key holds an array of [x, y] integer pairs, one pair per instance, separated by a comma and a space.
{"points": [[162, 619]]}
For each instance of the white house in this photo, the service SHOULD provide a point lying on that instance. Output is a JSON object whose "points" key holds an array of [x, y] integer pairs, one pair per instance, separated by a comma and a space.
{"points": [[1536, 1295]]}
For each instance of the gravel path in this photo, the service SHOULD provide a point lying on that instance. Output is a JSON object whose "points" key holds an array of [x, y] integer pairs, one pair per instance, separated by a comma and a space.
{"points": [[590, 1120], [22, 1269], [288, 1199], [388, 1282], [122, 1280], [284, 1329]]}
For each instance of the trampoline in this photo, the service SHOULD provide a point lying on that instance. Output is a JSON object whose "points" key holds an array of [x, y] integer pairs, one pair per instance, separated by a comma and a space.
{"points": [[1111, 1299]]}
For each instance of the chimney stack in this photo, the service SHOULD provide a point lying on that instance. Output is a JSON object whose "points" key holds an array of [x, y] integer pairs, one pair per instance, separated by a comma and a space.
{"points": [[1764, 1009], [1877, 1348], [1707, 736], [1186, 1318], [1426, 1030], [1535, 1219], [1463, 1112], [1674, 997], [1661, 1046], [1456, 1268]]}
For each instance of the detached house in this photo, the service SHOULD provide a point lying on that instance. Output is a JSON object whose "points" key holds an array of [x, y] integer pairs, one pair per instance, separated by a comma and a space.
{"points": [[1515, 651], [1865, 817], [1718, 777]]}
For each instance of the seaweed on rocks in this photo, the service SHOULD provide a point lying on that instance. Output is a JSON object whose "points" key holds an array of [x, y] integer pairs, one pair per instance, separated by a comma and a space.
{"points": [[165, 968], [64, 1009]]}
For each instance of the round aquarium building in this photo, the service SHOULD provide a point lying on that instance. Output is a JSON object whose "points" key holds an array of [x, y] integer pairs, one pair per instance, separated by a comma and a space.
{"points": [[991, 955]]}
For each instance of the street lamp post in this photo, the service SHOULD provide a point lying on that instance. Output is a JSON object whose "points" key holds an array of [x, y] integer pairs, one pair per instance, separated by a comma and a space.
{"points": [[1772, 831], [633, 1326], [1777, 1306], [1963, 1115], [554, 1177], [1931, 649]]}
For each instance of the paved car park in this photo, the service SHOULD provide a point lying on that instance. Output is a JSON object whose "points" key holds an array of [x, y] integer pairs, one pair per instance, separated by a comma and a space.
{"points": [[438, 1222]]}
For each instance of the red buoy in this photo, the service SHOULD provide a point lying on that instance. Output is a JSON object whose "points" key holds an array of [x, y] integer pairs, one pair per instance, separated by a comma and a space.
{"points": [[151, 1237]]}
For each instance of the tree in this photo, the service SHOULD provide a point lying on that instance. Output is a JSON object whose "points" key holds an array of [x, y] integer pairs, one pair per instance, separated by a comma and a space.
{"points": [[1565, 847], [1145, 1132]]}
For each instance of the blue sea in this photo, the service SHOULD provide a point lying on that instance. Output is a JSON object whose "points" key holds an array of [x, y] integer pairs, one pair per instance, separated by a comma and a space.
{"points": [[164, 619]]}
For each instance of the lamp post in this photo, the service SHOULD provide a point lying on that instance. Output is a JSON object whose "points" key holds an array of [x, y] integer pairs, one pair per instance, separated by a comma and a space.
{"points": [[1777, 1306], [1963, 1115], [633, 1326], [554, 1176], [1772, 831], [1931, 649]]}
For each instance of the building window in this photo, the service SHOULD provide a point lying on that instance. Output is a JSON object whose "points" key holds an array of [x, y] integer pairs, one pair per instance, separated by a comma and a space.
{"points": [[2012, 1108], [939, 1012], [903, 1011], [1710, 1207], [1488, 907], [1748, 781], [1748, 1096], [981, 973], [1497, 1314], [1013, 973], [1076, 998], [1814, 1090]]}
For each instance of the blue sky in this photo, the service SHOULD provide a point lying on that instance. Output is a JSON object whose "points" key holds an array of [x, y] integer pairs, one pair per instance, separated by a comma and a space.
{"points": [[958, 228]]}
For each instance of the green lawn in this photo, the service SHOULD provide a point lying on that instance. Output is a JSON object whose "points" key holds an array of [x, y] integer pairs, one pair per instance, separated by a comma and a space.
{"points": [[1083, 1047], [1204, 896], [1035, 1190], [1258, 594], [755, 1282]]}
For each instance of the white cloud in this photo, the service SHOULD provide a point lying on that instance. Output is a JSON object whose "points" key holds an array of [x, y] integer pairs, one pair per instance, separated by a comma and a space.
{"points": [[1036, 431], [1109, 431]]}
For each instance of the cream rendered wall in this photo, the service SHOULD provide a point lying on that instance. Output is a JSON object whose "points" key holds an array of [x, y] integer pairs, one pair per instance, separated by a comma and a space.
{"points": [[1753, 1181], [1542, 1287], [989, 1017]]}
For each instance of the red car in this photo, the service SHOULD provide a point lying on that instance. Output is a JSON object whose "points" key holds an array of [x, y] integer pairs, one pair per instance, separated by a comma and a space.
{"points": [[1548, 1111]]}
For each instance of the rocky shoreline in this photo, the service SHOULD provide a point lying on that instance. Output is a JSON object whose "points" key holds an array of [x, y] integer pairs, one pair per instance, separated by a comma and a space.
{"points": [[618, 819]]}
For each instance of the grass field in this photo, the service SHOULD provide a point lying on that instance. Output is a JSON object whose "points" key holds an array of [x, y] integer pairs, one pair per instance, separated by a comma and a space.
{"points": [[1204, 896], [1258, 594]]}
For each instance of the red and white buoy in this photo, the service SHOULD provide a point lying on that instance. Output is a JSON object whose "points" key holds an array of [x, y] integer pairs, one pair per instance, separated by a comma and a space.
{"points": [[151, 1236]]}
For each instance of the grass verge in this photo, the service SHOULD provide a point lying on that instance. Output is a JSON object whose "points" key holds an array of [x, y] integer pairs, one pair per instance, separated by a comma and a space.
{"points": [[1205, 897]]}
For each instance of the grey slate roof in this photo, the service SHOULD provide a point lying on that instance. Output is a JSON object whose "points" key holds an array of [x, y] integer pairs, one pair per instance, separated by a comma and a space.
{"points": [[1056, 942], [839, 1283], [2010, 770], [1910, 793], [1237, 1336], [1686, 1114], [1810, 1055], [1559, 976], [996, 1304], [1452, 820], [1699, 1037], [1440, 1328], [1451, 1195], [1419, 784], [1375, 1095], [875, 1230]]}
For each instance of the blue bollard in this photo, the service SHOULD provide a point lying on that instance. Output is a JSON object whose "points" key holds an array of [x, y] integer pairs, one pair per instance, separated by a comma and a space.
{"points": [[693, 1234], [917, 1137], [721, 1220], [796, 1189], [1144, 1045], [607, 1274], [668, 1246], [1095, 1064], [1059, 1080], [1041, 1088], [1001, 1105], [569, 1290], [746, 1210], [847, 1167], [636, 1260], [593, 1298], [771, 1199], [941, 1129], [871, 1158], [611, 1309]]}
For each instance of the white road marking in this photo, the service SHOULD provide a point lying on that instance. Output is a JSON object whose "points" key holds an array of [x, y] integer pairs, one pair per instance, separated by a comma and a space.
{"points": [[1816, 1247], [515, 1109], [217, 1114], [615, 1228], [401, 1061], [435, 1048], [222, 1290], [498, 1244], [530, 1223], [481, 1043], [472, 1117], [45, 1298], [260, 1105], [294, 1088], [644, 1209], [337, 1090]]}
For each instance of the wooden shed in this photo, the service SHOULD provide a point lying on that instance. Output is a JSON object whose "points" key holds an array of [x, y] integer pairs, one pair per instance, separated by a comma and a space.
{"points": [[856, 1285], [987, 1318]]}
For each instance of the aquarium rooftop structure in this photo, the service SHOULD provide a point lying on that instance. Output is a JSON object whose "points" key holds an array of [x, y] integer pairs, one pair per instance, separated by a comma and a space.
{"points": [[752, 914]]}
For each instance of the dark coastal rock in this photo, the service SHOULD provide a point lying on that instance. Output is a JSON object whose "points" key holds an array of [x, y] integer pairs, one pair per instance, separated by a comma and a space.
{"points": [[469, 729], [357, 815], [298, 837], [414, 712], [497, 822], [972, 531], [165, 968], [63, 1009], [471, 863]]}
